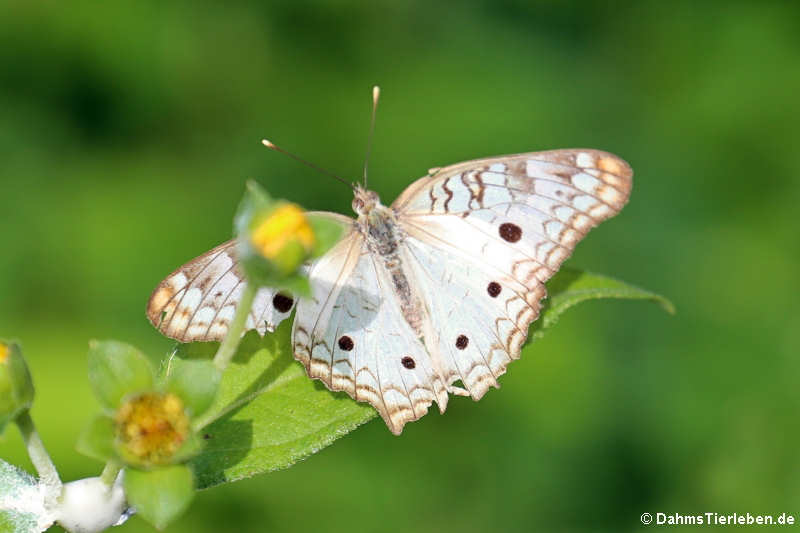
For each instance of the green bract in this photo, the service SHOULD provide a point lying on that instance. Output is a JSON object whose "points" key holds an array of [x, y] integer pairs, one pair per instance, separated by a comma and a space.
{"points": [[97, 439], [160, 495], [196, 382], [16, 385], [274, 238], [117, 369]]}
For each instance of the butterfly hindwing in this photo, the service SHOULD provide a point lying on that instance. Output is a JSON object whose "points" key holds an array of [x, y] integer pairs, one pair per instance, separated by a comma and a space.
{"points": [[197, 302], [352, 336], [480, 314]]}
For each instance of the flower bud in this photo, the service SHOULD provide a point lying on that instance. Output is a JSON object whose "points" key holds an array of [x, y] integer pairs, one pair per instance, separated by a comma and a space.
{"points": [[275, 238], [16, 385], [283, 237], [286, 223]]}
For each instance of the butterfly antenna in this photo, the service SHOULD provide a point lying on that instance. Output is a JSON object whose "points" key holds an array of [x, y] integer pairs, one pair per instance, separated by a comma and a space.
{"points": [[273, 146], [376, 92]]}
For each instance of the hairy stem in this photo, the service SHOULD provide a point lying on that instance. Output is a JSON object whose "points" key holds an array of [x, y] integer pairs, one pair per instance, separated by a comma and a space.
{"points": [[110, 472], [44, 466], [231, 341]]}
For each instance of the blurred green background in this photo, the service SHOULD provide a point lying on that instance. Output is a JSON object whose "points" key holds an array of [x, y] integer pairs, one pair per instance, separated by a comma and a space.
{"points": [[128, 129]]}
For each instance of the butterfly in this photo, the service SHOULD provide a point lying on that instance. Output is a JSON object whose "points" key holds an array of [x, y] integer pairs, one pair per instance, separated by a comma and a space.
{"points": [[427, 297]]}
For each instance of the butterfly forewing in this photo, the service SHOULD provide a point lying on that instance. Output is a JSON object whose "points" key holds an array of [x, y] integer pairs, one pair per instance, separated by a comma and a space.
{"points": [[583, 180], [524, 213]]}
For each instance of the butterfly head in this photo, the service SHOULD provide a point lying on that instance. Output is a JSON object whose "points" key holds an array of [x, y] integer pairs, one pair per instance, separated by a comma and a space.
{"points": [[364, 200]]}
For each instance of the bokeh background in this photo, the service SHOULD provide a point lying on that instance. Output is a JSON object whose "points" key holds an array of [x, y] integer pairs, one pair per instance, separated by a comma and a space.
{"points": [[128, 129]]}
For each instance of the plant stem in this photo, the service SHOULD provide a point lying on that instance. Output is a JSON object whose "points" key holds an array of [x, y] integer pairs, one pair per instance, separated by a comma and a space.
{"points": [[231, 341], [39, 457], [110, 472]]}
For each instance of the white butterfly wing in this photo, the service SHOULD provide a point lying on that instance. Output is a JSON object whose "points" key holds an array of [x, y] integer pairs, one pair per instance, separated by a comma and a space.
{"points": [[484, 237], [477, 328], [352, 336], [197, 302]]}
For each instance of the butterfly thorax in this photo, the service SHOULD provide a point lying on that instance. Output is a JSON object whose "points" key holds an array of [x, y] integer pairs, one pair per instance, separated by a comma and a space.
{"points": [[377, 223], [383, 235]]}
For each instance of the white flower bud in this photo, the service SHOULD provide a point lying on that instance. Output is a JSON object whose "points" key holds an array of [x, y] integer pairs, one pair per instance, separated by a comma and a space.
{"points": [[90, 506]]}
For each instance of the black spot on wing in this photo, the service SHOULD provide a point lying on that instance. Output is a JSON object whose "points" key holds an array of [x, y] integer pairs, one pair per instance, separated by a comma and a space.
{"points": [[510, 232], [461, 342], [494, 289], [346, 343], [282, 302]]}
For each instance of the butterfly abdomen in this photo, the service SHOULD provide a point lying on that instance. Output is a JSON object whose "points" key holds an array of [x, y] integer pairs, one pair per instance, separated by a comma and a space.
{"points": [[410, 305], [383, 238]]}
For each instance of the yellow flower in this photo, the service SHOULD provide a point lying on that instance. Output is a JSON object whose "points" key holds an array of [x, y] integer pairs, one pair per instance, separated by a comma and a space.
{"points": [[3, 352], [152, 427], [287, 223]]}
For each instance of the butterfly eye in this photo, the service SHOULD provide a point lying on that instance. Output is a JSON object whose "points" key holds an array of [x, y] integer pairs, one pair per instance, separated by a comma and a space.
{"points": [[358, 205]]}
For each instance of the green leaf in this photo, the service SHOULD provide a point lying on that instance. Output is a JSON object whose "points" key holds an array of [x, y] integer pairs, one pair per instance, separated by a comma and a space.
{"points": [[117, 369], [97, 439], [161, 495], [22, 507], [269, 415], [571, 286], [195, 382]]}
